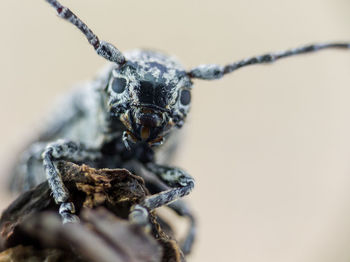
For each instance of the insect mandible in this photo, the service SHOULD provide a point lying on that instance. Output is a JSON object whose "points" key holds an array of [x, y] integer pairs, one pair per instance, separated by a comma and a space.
{"points": [[130, 111]]}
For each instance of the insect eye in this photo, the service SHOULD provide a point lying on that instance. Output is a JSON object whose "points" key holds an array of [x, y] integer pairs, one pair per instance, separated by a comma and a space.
{"points": [[185, 97], [118, 85]]}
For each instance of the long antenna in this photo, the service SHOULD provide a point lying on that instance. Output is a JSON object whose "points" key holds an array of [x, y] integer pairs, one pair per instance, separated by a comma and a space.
{"points": [[104, 49], [212, 71]]}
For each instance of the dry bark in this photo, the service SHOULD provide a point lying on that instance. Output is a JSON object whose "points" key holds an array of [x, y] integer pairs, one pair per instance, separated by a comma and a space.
{"points": [[31, 229]]}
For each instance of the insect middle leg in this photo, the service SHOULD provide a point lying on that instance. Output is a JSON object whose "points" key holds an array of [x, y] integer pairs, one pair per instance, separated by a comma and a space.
{"points": [[28, 171], [181, 209], [64, 150]]}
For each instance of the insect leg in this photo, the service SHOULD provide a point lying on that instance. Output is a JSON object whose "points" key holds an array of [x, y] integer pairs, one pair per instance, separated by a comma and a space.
{"points": [[64, 150], [26, 175], [180, 182], [180, 208], [181, 185]]}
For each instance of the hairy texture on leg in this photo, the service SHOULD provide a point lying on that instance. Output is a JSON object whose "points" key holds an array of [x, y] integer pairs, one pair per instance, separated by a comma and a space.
{"points": [[180, 182], [172, 176], [180, 208], [64, 150]]}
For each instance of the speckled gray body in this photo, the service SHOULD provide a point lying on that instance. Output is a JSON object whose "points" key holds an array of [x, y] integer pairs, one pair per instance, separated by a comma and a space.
{"points": [[90, 114], [134, 105], [89, 124]]}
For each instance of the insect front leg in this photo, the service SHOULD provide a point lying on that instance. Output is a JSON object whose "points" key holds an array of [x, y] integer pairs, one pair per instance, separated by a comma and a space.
{"points": [[180, 208], [181, 185], [64, 150], [180, 182]]}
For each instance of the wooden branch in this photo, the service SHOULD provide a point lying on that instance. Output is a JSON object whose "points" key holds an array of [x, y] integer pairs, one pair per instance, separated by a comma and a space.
{"points": [[32, 230]]}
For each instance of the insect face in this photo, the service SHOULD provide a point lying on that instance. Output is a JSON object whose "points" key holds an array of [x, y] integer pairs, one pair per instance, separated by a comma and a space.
{"points": [[150, 94]]}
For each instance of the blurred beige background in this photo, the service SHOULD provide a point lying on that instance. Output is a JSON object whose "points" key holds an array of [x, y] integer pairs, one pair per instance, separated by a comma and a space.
{"points": [[269, 146]]}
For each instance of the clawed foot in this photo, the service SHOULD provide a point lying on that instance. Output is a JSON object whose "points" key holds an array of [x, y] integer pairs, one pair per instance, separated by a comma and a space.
{"points": [[67, 211], [185, 180], [139, 216]]}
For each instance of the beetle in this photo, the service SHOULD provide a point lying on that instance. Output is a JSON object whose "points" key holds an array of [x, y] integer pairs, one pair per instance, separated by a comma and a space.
{"points": [[123, 118]]}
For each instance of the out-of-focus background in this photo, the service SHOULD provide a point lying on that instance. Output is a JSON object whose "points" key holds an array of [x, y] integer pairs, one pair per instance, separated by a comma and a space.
{"points": [[269, 146]]}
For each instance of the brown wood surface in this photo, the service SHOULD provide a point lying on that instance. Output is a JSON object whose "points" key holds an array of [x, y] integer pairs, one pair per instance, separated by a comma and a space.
{"points": [[31, 229]]}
